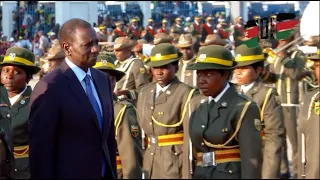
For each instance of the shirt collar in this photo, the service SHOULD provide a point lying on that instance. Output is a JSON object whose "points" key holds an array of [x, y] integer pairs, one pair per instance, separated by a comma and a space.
{"points": [[217, 98], [77, 70], [163, 89], [245, 88], [14, 99]]}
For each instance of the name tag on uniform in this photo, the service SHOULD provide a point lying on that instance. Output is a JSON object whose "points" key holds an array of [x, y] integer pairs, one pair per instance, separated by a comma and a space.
{"points": [[3, 105], [208, 159]]}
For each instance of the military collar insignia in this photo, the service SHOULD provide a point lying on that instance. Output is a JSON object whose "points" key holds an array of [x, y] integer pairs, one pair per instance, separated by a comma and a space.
{"points": [[22, 102]]}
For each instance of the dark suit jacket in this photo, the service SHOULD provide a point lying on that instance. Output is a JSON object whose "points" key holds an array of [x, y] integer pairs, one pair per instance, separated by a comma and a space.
{"points": [[65, 139]]}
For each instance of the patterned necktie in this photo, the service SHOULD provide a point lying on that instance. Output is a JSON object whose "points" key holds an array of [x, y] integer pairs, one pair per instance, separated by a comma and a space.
{"points": [[96, 108]]}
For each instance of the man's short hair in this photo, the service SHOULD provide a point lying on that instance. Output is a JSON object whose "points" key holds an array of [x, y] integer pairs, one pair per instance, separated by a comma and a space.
{"points": [[67, 31]]}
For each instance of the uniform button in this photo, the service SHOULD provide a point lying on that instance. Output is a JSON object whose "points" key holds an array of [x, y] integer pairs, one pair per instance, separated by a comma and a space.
{"points": [[230, 171], [203, 126], [151, 107], [150, 123], [202, 144], [16, 170], [152, 154], [176, 154], [8, 115]]}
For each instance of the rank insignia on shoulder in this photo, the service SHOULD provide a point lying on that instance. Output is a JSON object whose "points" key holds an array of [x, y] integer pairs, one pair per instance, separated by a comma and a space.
{"points": [[142, 70], [134, 130], [257, 124]]}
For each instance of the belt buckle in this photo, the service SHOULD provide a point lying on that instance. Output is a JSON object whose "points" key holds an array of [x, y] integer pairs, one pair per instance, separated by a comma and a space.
{"points": [[208, 159], [154, 140]]}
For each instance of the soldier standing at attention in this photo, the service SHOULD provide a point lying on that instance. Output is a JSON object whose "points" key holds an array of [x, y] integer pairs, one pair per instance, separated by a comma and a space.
{"points": [[208, 28], [177, 28], [250, 65], [136, 75], [17, 69], [309, 125], [224, 126], [186, 47], [134, 31], [164, 27], [286, 73], [127, 130], [237, 32], [119, 31], [150, 31], [161, 110]]}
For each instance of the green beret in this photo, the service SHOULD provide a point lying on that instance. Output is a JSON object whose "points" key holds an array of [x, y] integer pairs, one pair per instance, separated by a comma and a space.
{"points": [[106, 62], [163, 54], [213, 57], [20, 57], [245, 56]]}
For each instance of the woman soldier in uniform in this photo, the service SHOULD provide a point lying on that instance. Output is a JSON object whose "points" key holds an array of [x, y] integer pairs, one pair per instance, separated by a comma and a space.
{"points": [[250, 66], [161, 110], [224, 126], [127, 130], [17, 69]]}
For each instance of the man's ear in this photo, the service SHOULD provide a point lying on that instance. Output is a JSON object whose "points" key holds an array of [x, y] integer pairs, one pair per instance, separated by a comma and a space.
{"points": [[66, 48]]}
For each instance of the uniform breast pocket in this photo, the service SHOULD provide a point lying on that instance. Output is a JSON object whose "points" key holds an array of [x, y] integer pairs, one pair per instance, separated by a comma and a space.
{"points": [[172, 161], [230, 170], [22, 168]]}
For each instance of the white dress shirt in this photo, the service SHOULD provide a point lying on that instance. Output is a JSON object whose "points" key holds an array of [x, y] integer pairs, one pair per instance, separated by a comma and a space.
{"points": [[159, 88], [81, 75], [217, 98], [246, 88]]}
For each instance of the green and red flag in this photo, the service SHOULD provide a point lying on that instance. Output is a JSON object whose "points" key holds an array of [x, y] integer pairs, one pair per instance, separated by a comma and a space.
{"points": [[251, 34], [285, 28]]}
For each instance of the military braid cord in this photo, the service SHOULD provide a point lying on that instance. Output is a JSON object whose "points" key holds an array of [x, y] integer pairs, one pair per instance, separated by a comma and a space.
{"points": [[312, 103], [182, 117], [118, 119], [223, 146]]}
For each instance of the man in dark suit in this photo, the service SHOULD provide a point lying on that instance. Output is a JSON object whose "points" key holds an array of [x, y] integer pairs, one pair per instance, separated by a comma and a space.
{"points": [[71, 113]]}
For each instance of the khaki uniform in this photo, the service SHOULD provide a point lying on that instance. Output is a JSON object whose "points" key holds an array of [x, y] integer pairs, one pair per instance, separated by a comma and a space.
{"points": [[136, 76], [188, 77], [286, 74], [128, 136], [309, 125], [162, 118], [273, 133], [177, 29], [231, 133], [206, 30], [19, 113]]}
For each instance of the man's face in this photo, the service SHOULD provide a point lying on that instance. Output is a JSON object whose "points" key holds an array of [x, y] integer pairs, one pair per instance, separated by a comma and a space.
{"points": [[211, 82], [84, 49], [316, 69], [178, 22], [134, 23], [246, 74], [13, 78], [122, 54], [151, 23], [187, 52], [164, 74]]}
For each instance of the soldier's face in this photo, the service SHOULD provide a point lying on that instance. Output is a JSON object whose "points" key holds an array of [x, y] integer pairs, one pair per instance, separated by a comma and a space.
{"points": [[187, 53], [246, 74], [164, 74], [316, 69], [112, 78], [13, 78], [122, 54], [211, 82], [84, 49]]}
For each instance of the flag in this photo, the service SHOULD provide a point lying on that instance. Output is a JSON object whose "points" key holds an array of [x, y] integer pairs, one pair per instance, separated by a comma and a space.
{"points": [[285, 28], [252, 37]]}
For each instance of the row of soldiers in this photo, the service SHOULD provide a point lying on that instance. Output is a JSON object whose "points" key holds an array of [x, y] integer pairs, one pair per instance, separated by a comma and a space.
{"points": [[199, 29], [181, 114], [153, 127]]}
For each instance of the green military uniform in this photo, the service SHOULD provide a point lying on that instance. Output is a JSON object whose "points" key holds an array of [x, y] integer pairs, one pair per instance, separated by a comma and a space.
{"points": [[6, 149], [273, 132], [127, 130], [308, 131], [136, 74], [161, 115], [225, 141], [19, 111], [286, 73]]}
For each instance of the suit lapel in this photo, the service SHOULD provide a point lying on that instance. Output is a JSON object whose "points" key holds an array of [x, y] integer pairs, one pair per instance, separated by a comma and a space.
{"points": [[102, 92], [22, 101], [77, 89]]}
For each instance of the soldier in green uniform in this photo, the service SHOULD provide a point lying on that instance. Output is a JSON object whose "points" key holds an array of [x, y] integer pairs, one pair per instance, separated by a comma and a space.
{"points": [[136, 75], [224, 126], [309, 126], [18, 67], [247, 73], [186, 47], [286, 73], [161, 110], [127, 130], [6, 148]]}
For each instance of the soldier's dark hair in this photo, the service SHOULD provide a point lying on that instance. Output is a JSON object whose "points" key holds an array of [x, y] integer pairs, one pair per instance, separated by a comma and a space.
{"points": [[257, 64], [225, 71], [67, 31]]}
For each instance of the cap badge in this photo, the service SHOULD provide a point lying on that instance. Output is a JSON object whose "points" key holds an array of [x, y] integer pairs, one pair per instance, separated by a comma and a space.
{"points": [[202, 57], [12, 56]]}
